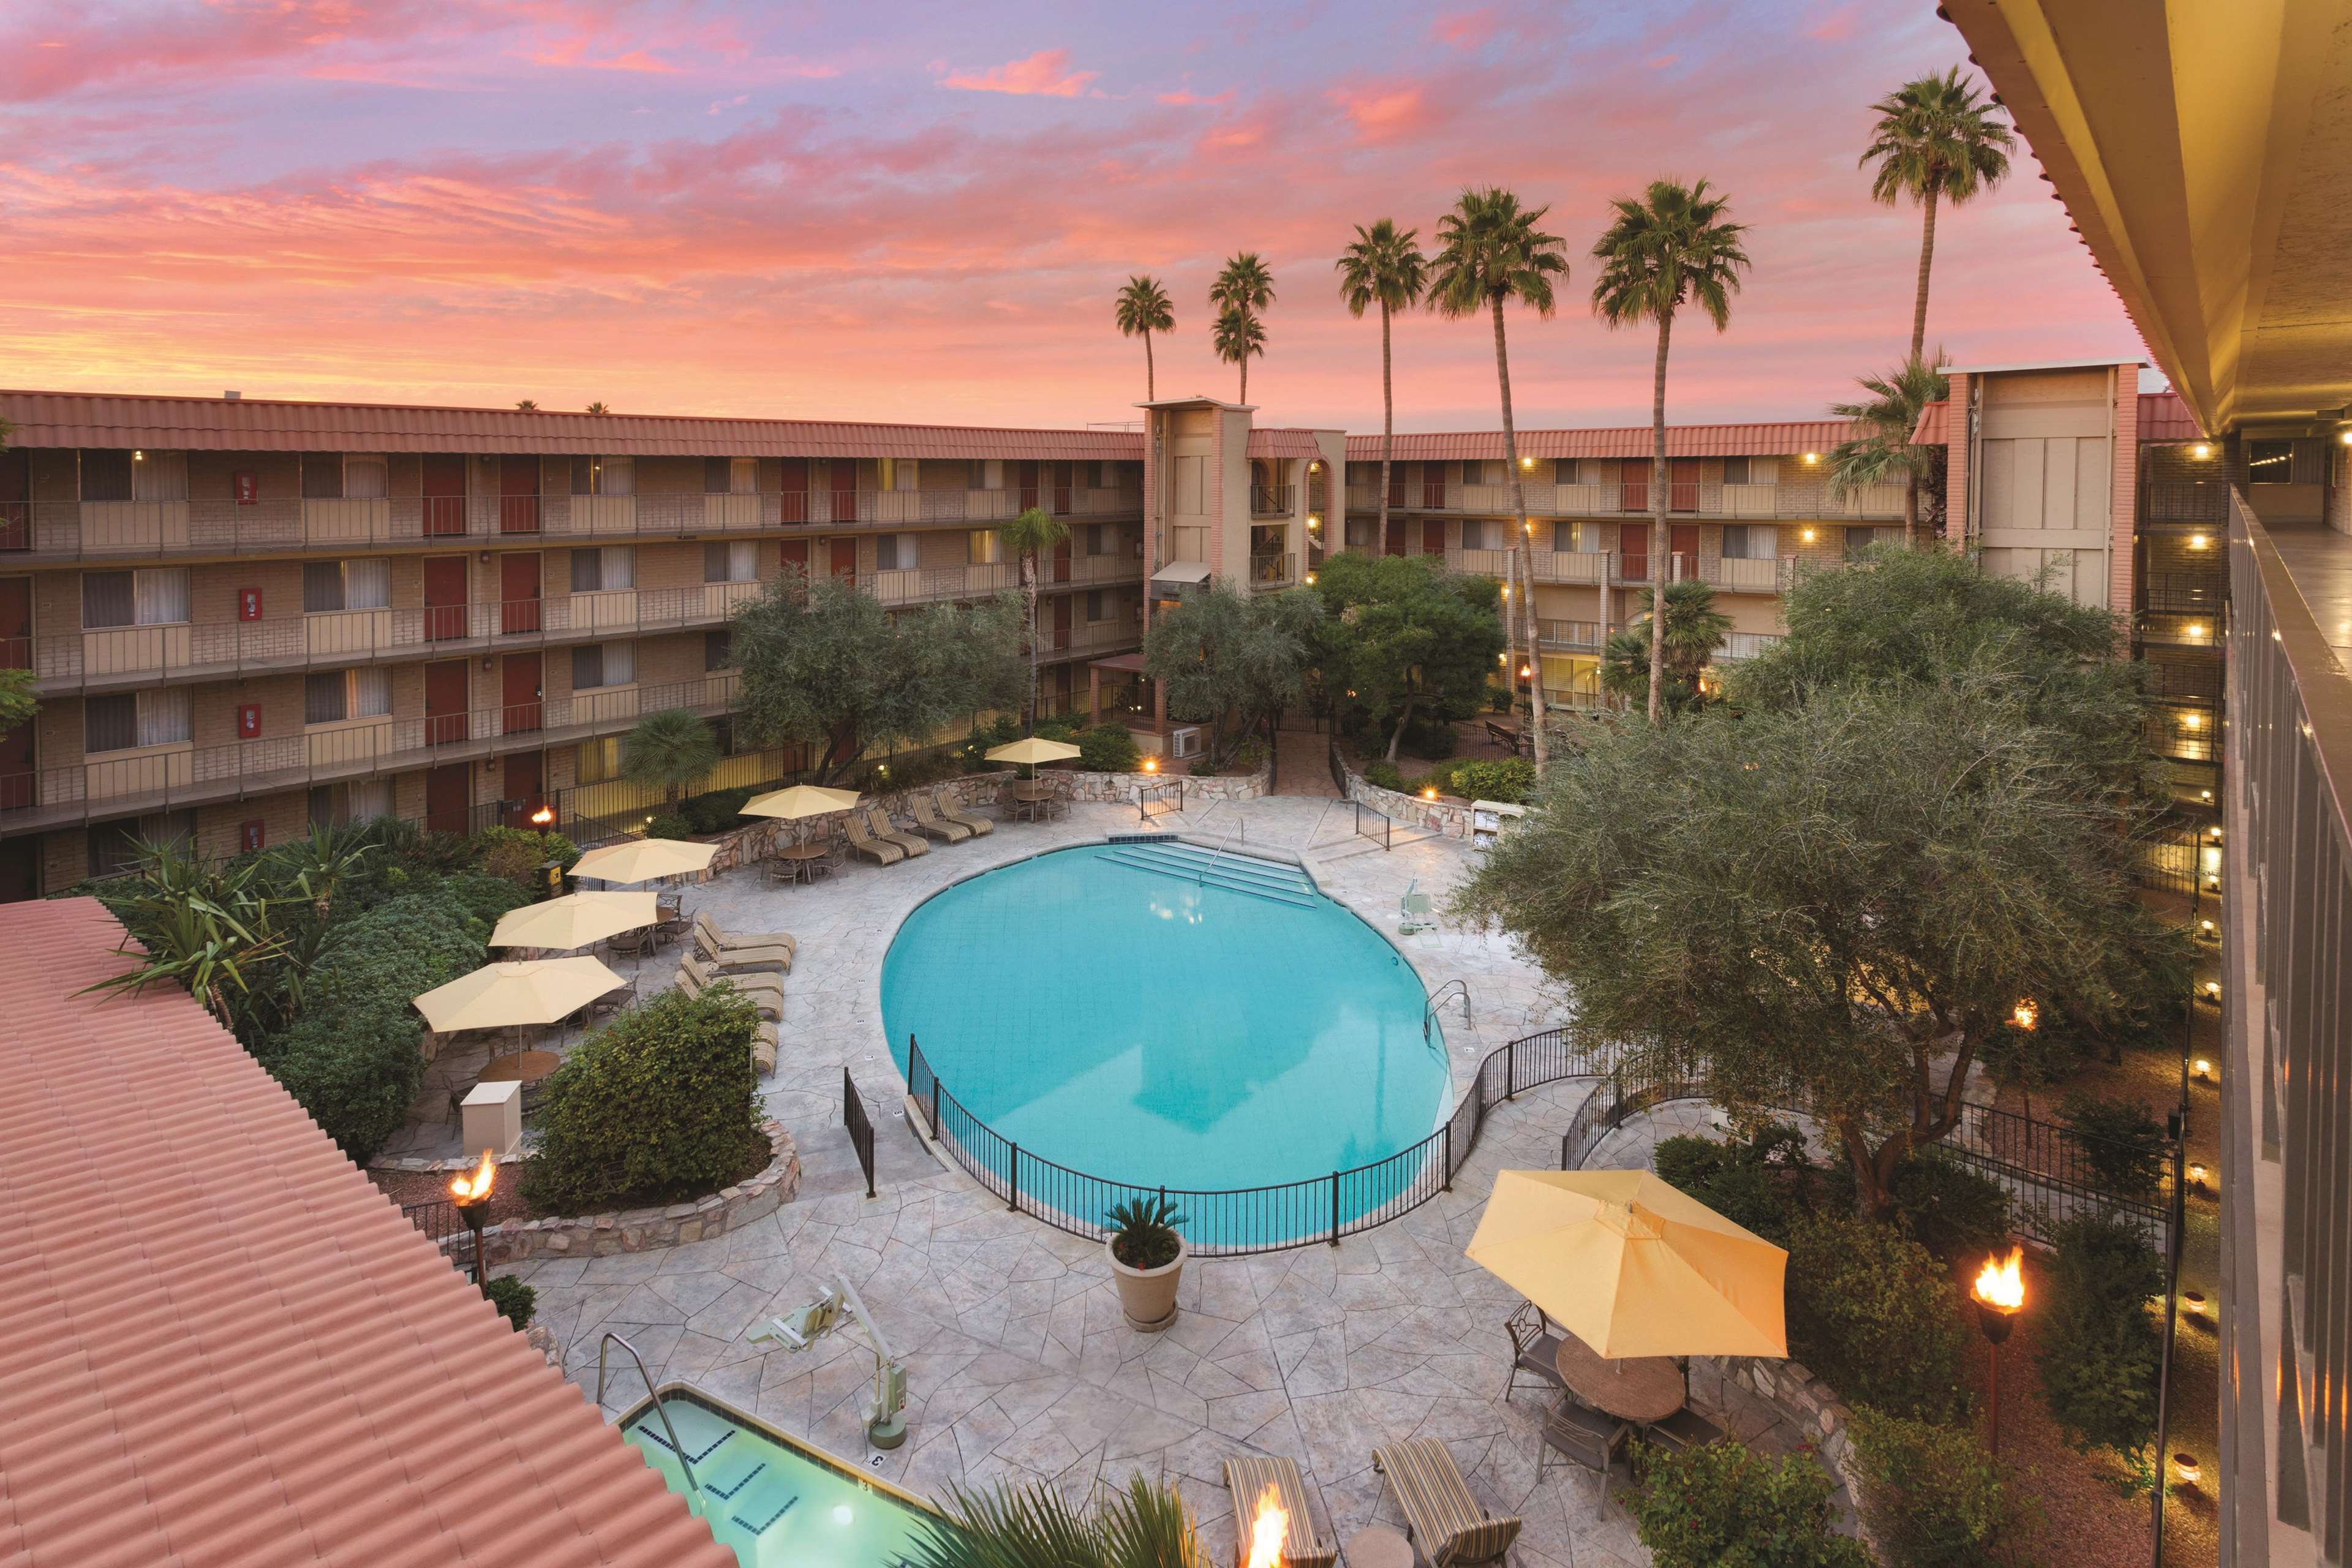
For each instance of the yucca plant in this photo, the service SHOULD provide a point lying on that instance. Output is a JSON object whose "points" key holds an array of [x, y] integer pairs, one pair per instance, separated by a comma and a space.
{"points": [[1145, 1526], [213, 933]]}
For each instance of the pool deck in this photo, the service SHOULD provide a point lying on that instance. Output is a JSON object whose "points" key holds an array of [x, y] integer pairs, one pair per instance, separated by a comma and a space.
{"points": [[1019, 1366]]}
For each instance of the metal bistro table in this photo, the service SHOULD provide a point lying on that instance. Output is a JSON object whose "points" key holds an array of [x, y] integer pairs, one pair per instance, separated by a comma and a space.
{"points": [[801, 859], [1034, 798], [1641, 1389]]}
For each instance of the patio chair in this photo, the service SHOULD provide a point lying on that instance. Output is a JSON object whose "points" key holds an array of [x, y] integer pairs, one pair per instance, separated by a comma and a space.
{"points": [[765, 992], [1684, 1430], [1413, 911], [671, 920], [874, 849], [928, 820], [878, 822], [950, 812], [1247, 1479], [638, 943], [1534, 1348], [732, 951], [612, 1002], [1585, 1436], [1439, 1512]]}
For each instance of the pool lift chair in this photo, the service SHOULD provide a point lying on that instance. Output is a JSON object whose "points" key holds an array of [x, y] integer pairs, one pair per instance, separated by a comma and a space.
{"points": [[1413, 911], [886, 1420]]}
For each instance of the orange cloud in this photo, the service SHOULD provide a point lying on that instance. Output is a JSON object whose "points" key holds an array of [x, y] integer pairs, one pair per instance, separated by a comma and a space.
{"points": [[1464, 29], [1184, 97], [1045, 74], [1383, 112]]}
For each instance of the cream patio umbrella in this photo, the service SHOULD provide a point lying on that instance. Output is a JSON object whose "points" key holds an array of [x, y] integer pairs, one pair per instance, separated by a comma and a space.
{"points": [[1631, 1266], [574, 920], [513, 995], [644, 860], [799, 802], [1030, 750]]}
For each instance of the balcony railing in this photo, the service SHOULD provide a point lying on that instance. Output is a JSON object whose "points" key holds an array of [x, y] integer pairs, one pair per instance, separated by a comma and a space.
{"points": [[2185, 500], [1797, 499], [1270, 500], [2182, 593], [1738, 646], [1273, 571], [1115, 632], [133, 530], [157, 778], [1578, 636], [1574, 566]]}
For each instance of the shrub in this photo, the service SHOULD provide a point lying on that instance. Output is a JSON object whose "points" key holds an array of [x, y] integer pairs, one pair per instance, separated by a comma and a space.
{"points": [[2098, 1348], [1108, 749], [513, 1299], [1871, 1311], [1431, 738], [1509, 780], [658, 1106], [1203, 767], [483, 898], [1952, 1211], [1143, 1233], [2123, 1147], [669, 825], [1250, 755], [1758, 1182], [1382, 775], [1722, 1505], [1932, 1495], [716, 811], [516, 853]]}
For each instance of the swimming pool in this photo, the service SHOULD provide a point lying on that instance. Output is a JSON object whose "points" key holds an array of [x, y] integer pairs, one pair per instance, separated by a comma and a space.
{"points": [[1155, 1013]]}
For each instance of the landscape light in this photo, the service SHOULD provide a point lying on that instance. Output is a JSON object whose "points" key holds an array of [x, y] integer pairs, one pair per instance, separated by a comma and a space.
{"points": [[1151, 764], [2197, 1181], [1430, 792], [2212, 991], [2194, 1303], [2201, 1071], [2185, 1465]]}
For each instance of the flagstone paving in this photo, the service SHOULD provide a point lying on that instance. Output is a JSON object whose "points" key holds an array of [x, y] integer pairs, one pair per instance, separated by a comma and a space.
{"points": [[1020, 1368]]}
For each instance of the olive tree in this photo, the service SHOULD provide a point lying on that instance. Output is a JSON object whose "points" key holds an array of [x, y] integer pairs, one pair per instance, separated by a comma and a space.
{"points": [[1232, 657], [1403, 637]]}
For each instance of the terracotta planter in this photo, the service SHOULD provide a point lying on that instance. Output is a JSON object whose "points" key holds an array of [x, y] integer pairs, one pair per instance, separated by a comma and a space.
{"points": [[1148, 1296]]}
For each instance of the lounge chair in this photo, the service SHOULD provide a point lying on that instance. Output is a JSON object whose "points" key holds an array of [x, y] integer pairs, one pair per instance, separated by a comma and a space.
{"points": [[764, 991], [1247, 1481], [744, 950], [763, 1048], [1534, 1348], [878, 822], [874, 849], [1586, 1436], [929, 821], [950, 812], [1439, 1512]]}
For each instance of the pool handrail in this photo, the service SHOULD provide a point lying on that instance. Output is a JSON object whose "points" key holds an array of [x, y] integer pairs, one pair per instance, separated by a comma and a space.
{"points": [[611, 1339]]}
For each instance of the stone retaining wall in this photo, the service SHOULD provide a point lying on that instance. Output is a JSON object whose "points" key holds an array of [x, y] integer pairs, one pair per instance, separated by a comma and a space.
{"points": [[1810, 1406], [1450, 817]]}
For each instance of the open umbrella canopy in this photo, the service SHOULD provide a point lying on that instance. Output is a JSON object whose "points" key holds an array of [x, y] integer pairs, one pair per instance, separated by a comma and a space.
{"points": [[799, 802], [507, 996], [1631, 1266], [644, 860], [574, 921], [1030, 750]]}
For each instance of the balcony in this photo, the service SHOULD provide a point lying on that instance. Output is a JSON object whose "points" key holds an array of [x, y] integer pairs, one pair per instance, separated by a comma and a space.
{"points": [[1090, 638], [161, 778], [2182, 593], [1271, 500], [1797, 499], [2185, 501], [1273, 571], [1580, 566]]}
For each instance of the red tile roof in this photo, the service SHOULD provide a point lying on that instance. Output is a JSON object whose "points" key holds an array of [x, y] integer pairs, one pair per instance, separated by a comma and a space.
{"points": [[255, 425], [1930, 430], [221, 1347], [2164, 416], [1278, 443], [1631, 441]]}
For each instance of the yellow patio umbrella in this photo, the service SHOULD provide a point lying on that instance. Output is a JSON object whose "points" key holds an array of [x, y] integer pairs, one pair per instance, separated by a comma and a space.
{"points": [[576, 920], [1031, 751], [509, 995], [645, 859], [1631, 1266], [799, 801]]}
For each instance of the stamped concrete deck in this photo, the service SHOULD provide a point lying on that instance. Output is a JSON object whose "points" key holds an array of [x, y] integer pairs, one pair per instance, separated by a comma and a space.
{"points": [[1020, 1368]]}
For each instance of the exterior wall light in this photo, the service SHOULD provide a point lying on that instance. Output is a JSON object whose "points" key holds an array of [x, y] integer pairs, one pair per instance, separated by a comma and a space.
{"points": [[1807, 536], [2185, 1465], [2201, 1071], [2198, 541], [2191, 722], [1813, 456], [1527, 462], [2201, 451], [2345, 437]]}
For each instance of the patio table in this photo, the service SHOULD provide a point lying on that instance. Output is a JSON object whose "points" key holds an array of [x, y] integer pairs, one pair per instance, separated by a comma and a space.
{"points": [[1636, 1388], [801, 859], [520, 1067]]}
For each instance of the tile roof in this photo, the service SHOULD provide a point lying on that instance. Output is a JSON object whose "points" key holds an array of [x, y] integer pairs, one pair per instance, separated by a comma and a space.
{"points": [[1279, 443], [2166, 416], [1933, 425], [1631, 441], [256, 425], [221, 1346]]}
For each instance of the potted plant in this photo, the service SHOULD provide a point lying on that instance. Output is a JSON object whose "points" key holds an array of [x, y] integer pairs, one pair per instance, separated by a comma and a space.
{"points": [[1147, 1258]]}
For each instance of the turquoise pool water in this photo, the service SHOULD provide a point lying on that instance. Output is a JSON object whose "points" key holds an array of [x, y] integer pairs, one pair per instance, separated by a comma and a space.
{"points": [[770, 1501], [1149, 1014]]}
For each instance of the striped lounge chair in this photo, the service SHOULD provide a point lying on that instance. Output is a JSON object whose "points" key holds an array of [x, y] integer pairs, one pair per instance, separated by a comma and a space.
{"points": [[1247, 1481], [1440, 1513]]}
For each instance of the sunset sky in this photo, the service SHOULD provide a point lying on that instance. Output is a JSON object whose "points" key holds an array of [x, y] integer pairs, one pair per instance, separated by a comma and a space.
{"points": [[922, 212]]}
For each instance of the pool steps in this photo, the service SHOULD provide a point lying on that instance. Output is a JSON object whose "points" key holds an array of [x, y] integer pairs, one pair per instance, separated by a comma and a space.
{"points": [[756, 1512], [1269, 879]]}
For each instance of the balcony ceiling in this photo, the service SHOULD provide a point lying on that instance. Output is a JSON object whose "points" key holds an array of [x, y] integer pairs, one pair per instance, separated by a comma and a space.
{"points": [[2205, 152]]}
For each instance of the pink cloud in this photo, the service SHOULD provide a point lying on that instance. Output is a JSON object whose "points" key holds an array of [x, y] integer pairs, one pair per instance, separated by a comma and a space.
{"points": [[1186, 96], [1384, 111], [1045, 74], [1464, 29]]}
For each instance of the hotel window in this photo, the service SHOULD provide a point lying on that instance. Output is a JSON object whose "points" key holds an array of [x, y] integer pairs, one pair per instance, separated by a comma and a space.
{"points": [[154, 596], [1572, 537], [134, 719], [328, 586], [730, 560], [893, 551], [603, 476], [322, 476], [365, 478], [117, 847], [1858, 539], [984, 547], [105, 474], [901, 474], [606, 570], [1107, 474], [1563, 470], [717, 648], [1750, 541], [159, 476], [339, 804], [331, 697], [1363, 532], [1482, 533], [1095, 611], [1101, 540], [1735, 472], [2270, 462], [598, 761], [992, 473], [599, 665], [743, 476]]}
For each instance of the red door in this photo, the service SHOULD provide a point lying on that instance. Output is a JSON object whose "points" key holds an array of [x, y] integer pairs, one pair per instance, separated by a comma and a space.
{"points": [[1633, 485], [1432, 537], [1433, 489], [15, 500], [519, 593], [1061, 492], [845, 558], [1634, 548], [448, 799], [524, 787], [1062, 561], [1683, 539], [794, 505], [444, 597], [1682, 484], [16, 790], [518, 495], [845, 491], [15, 623], [444, 493], [1061, 619], [519, 697], [1393, 544], [796, 555], [1028, 480], [444, 701]]}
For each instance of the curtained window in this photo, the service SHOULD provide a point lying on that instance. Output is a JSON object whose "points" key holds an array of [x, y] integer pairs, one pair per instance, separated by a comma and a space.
{"points": [[604, 571], [331, 586], [598, 665], [731, 560]]}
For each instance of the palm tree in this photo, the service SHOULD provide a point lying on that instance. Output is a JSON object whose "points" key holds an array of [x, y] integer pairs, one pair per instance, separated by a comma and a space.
{"points": [[1029, 536], [526, 406], [1934, 140], [1144, 308], [1247, 287], [1673, 247], [1386, 268], [598, 408], [1694, 629], [669, 750], [1882, 452], [1490, 251], [1236, 336]]}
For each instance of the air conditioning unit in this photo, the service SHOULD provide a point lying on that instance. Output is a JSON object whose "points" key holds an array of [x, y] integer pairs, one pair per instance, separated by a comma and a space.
{"points": [[1184, 742]]}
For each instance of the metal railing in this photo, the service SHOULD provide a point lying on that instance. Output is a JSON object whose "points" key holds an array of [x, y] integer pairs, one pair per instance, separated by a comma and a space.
{"points": [[1383, 829], [1795, 499], [860, 1128], [1158, 799], [684, 1460], [1273, 571], [1271, 500], [2183, 593], [2185, 500]]}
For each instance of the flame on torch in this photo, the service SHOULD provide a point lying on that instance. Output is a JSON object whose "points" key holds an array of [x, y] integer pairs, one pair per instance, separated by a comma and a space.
{"points": [[2002, 1284], [1267, 1531], [474, 1188]]}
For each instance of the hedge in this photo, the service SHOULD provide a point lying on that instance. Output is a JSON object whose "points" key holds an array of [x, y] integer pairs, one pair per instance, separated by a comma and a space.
{"points": [[2097, 1347], [1874, 1314], [658, 1107], [1932, 1494], [1721, 1505]]}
